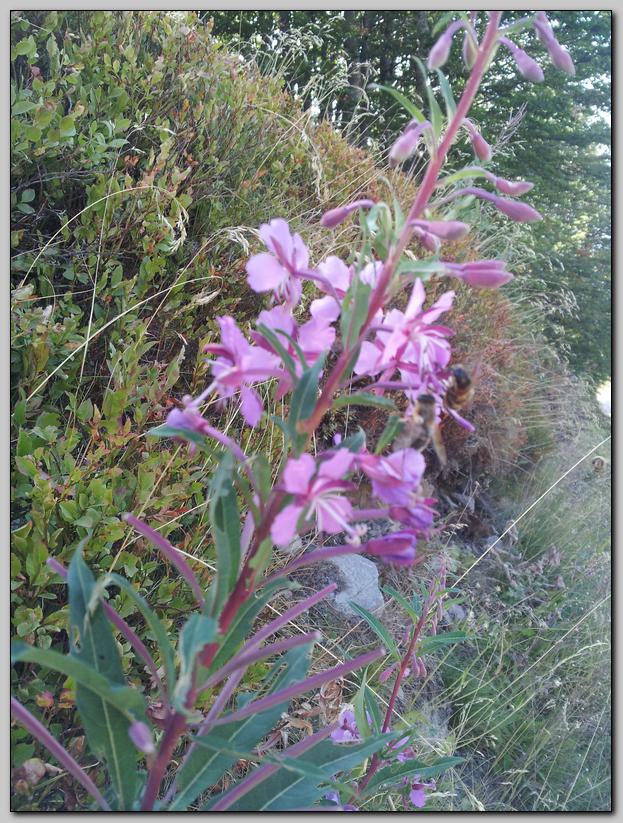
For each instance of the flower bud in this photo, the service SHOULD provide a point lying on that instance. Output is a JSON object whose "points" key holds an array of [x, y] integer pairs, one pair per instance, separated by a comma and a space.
{"points": [[407, 143], [528, 67], [398, 548], [520, 212], [140, 734], [480, 274], [334, 217], [482, 149], [470, 50], [514, 188], [427, 240], [560, 57], [543, 28], [444, 229], [440, 52]]}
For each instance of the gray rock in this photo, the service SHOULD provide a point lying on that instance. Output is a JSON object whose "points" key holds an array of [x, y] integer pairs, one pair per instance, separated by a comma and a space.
{"points": [[358, 582]]}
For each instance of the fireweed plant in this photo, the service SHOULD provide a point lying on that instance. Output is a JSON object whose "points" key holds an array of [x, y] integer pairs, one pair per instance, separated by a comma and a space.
{"points": [[353, 348]]}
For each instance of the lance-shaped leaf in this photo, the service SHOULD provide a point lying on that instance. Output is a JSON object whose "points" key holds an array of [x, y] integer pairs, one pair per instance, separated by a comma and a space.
{"points": [[303, 402], [225, 522], [39, 731], [283, 789], [92, 643], [170, 552], [200, 771], [364, 399], [390, 775], [197, 632]]}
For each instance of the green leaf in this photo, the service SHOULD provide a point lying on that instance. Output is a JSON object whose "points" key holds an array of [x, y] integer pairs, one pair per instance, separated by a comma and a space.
{"points": [[391, 775], [26, 47], [67, 127], [436, 117], [278, 346], [404, 101], [354, 442], [201, 772], [28, 195], [92, 643], [243, 620], [185, 434], [378, 628], [430, 644], [393, 427], [125, 699], [197, 632], [399, 598], [303, 400], [157, 628], [22, 106], [225, 522], [448, 97], [289, 788], [354, 311], [364, 399]]}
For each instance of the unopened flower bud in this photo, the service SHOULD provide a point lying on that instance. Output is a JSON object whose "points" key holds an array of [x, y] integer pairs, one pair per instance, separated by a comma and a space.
{"points": [[140, 734], [482, 149], [514, 188], [441, 50], [520, 212], [528, 67], [470, 50], [560, 57], [444, 229], [407, 143], [397, 547], [480, 274], [334, 217], [427, 240], [543, 28]]}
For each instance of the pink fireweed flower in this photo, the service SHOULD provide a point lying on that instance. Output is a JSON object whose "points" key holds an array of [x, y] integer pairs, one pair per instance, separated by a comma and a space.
{"points": [[279, 271], [409, 341], [237, 366], [140, 734], [398, 548], [396, 477], [482, 149], [348, 731], [334, 217], [440, 52], [313, 338], [335, 798], [527, 66], [317, 490], [443, 229], [417, 793], [481, 274], [408, 141], [520, 212]]}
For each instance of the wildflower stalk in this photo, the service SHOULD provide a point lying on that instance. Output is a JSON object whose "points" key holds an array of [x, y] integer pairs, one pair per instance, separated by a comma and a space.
{"points": [[377, 298]]}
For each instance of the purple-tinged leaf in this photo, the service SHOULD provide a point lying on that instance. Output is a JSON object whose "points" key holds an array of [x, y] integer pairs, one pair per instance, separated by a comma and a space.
{"points": [[39, 731]]}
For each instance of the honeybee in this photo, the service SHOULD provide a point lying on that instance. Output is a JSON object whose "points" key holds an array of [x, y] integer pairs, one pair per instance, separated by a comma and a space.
{"points": [[460, 391], [421, 429]]}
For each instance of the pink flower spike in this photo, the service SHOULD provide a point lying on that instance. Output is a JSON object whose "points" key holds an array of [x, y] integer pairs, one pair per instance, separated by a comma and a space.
{"points": [[440, 52], [334, 217], [408, 141]]}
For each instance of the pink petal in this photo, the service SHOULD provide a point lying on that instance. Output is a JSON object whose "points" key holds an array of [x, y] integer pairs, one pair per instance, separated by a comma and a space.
{"points": [[279, 231], [298, 474], [369, 358], [251, 406], [336, 467], [332, 512], [325, 308], [284, 525], [265, 272]]}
